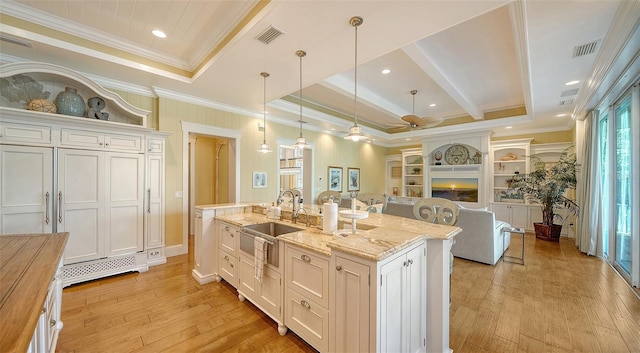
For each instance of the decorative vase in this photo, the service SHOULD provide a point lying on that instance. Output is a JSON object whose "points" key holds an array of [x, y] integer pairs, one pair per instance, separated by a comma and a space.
{"points": [[69, 102]]}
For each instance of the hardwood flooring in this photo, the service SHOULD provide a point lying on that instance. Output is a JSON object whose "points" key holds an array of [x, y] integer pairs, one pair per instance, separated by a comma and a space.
{"points": [[559, 301]]}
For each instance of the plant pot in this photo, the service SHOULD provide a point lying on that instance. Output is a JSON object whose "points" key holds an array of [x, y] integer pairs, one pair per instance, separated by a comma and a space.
{"points": [[548, 233]]}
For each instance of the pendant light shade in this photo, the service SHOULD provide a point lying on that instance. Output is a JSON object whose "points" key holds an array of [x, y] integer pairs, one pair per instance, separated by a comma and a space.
{"points": [[264, 147], [354, 131], [301, 142]]}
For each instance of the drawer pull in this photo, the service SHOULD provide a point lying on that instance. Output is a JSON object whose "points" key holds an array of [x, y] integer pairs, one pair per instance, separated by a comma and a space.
{"points": [[52, 322], [305, 304], [226, 228], [226, 257], [338, 268], [305, 258], [60, 207], [410, 261]]}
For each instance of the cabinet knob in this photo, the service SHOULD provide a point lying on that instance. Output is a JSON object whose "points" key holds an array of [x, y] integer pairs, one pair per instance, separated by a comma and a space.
{"points": [[52, 322], [405, 264], [338, 268], [305, 258], [305, 304], [226, 258], [226, 228], [410, 261]]}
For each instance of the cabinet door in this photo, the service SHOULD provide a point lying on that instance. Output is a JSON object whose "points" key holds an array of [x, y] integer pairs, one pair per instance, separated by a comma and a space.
{"points": [[393, 288], [154, 212], [246, 276], [519, 215], [351, 311], [416, 299], [270, 292], [502, 213], [80, 203], [124, 203], [26, 190]]}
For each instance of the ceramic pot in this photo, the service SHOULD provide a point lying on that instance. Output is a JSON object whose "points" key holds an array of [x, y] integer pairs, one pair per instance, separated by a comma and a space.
{"points": [[69, 102]]}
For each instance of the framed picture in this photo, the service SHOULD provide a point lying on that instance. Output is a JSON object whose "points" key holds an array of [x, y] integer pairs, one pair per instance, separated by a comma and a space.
{"points": [[353, 183], [259, 180], [334, 179], [396, 172]]}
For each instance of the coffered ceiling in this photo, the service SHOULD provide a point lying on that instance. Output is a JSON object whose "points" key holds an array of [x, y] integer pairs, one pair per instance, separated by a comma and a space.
{"points": [[476, 64]]}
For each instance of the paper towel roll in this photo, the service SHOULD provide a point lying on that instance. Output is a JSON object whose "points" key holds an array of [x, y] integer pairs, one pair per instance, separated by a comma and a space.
{"points": [[330, 214]]}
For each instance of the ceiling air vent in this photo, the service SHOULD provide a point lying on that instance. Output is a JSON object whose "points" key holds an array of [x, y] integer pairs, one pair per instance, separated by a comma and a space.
{"points": [[268, 35], [568, 101], [586, 49], [569, 92]]}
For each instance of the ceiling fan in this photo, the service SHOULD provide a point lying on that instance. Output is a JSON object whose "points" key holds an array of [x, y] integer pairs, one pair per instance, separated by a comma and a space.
{"points": [[416, 122]]}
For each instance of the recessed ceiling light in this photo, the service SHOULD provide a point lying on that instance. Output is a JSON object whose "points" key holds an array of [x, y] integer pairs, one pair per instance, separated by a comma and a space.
{"points": [[561, 115], [508, 127], [572, 83], [432, 105], [408, 139], [386, 71], [158, 33], [333, 129]]}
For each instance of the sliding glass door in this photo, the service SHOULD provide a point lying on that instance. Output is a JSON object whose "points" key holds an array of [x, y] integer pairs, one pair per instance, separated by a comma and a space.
{"points": [[623, 186], [605, 181]]}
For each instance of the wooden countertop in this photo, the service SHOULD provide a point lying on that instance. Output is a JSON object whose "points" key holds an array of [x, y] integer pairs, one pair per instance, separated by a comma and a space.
{"points": [[28, 263]]}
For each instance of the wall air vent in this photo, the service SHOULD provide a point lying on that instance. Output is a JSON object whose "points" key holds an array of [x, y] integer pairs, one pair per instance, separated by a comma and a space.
{"points": [[14, 40], [568, 101], [268, 35], [569, 93], [586, 49]]}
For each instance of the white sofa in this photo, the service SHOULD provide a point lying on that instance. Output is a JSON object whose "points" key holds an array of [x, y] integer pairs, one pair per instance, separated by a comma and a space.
{"points": [[481, 236]]}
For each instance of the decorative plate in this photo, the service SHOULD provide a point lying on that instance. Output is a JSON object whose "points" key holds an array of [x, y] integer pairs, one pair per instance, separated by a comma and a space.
{"points": [[456, 154], [437, 155]]}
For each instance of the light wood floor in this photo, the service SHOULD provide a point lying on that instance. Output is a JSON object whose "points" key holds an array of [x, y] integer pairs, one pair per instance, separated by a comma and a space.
{"points": [[559, 301]]}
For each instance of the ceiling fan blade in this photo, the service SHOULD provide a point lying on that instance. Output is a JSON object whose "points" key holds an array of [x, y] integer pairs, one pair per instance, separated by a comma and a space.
{"points": [[413, 120]]}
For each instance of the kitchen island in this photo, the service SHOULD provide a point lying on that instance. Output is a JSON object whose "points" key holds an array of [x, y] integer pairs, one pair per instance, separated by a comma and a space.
{"points": [[385, 288]]}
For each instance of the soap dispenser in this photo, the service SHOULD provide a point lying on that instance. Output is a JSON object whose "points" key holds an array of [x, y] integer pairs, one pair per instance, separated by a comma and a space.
{"points": [[319, 219]]}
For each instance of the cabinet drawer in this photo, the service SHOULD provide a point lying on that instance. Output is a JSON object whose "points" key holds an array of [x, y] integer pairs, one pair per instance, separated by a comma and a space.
{"points": [[155, 145], [90, 139], [25, 133], [229, 268], [307, 319], [228, 238], [308, 274]]}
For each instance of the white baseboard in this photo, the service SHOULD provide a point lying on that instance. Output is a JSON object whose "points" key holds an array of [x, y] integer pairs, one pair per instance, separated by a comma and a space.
{"points": [[175, 250]]}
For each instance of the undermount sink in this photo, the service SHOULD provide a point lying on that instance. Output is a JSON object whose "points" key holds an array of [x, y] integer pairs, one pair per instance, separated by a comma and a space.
{"points": [[272, 228]]}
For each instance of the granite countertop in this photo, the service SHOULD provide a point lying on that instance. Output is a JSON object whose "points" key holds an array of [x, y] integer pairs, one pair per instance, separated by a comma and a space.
{"points": [[377, 237]]}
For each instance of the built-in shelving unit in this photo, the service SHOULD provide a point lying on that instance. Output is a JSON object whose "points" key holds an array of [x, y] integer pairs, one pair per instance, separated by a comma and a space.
{"points": [[413, 168]]}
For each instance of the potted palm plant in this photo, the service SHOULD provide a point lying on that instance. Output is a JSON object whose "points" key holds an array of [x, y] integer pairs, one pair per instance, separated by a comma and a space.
{"points": [[546, 186]]}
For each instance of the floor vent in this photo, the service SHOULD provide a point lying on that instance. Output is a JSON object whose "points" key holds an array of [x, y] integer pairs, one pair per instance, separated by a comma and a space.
{"points": [[268, 35], [586, 49], [82, 270]]}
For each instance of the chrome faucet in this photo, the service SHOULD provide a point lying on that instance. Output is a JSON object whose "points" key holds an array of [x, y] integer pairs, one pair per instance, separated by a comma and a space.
{"points": [[295, 196]]}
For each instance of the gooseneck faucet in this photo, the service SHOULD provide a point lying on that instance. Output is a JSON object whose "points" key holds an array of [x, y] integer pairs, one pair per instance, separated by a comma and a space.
{"points": [[295, 196]]}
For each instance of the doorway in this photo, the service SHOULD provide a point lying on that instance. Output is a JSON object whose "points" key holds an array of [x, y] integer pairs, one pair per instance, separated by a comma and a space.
{"points": [[227, 144]]}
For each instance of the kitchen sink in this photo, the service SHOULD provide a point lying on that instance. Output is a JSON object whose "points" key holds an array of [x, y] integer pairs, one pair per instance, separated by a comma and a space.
{"points": [[272, 228]]}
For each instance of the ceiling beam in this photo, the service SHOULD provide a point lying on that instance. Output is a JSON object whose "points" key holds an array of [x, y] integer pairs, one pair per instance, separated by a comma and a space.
{"points": [[518, 16]]}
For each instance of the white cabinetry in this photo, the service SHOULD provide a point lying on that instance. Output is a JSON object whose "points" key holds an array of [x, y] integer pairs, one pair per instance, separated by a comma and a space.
{"points": [[389, 315], [402, 304], [26, 189], [412, 173], [228, 241], [516, 215], [154, 212], [265, 294], [306, 295], [92, 178]]}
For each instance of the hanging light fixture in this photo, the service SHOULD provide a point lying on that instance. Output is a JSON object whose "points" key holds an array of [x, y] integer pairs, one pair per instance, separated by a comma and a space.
{"points": [[354, 131], [301, 142], [264, 147]]}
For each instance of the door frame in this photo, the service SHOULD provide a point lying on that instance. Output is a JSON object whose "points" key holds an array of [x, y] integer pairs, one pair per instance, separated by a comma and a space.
{"points": [[234, 137]]}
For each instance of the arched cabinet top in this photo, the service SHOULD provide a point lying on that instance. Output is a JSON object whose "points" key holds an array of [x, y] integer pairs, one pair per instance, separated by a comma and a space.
{"points": [[55, 78]]}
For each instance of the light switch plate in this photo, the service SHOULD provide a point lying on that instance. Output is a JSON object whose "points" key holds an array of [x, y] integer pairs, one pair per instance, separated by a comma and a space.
{"points": [[178, 194]]}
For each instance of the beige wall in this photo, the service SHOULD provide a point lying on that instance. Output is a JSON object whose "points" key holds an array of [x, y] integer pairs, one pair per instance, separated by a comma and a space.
{"points": [[205, 170]]}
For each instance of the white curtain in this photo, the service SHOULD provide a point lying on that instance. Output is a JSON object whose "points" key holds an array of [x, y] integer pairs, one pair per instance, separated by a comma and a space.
{"points": [[588, 219]]}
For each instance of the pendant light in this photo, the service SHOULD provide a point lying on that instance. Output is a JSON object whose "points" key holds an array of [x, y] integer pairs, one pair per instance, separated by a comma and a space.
{"points": [[354, 131], [264, 147], [301, 142]]}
